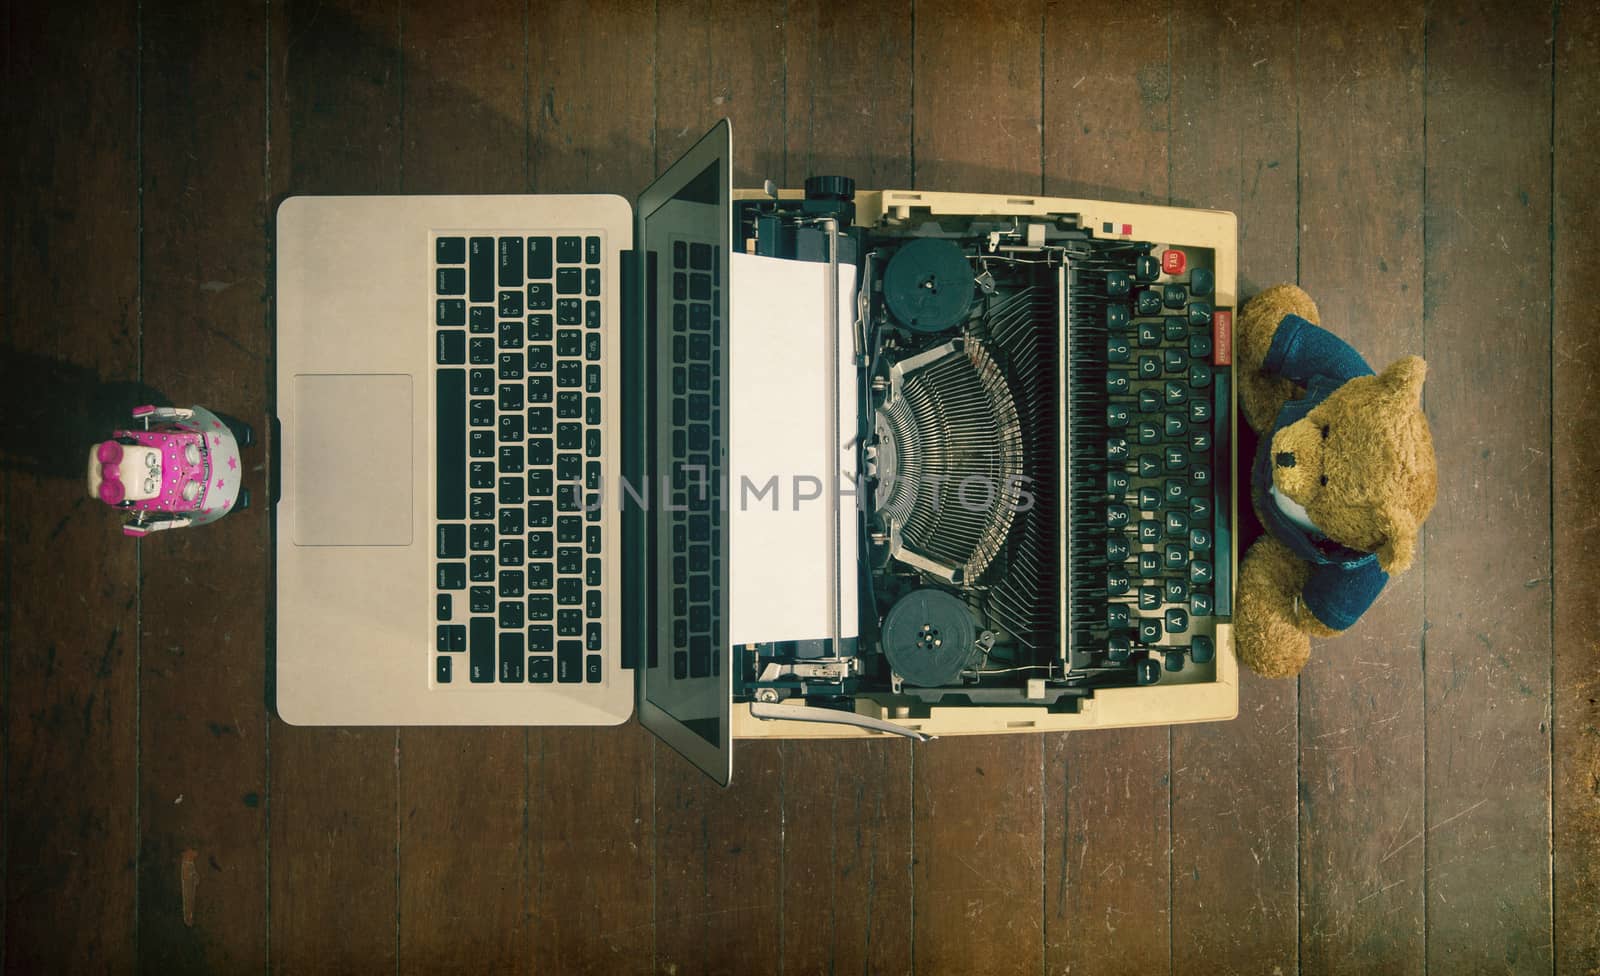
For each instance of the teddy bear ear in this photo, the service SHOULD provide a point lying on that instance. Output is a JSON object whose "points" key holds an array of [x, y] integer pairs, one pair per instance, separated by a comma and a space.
{"points": [[1399, 541], [1404, 377]]}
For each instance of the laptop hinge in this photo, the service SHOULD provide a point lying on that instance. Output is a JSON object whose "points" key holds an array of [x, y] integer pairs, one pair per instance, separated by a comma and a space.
{"points": [[634, 552]]}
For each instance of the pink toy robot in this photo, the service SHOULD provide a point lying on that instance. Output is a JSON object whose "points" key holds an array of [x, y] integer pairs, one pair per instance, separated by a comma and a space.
{"points": [[180, 469]]}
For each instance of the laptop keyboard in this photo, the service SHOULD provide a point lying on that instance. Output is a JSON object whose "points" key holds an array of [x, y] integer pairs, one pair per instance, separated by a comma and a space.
{"points": [[518, 561], [697, 425]]}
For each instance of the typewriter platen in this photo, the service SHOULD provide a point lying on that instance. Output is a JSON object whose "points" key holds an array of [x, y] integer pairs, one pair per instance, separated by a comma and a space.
{"points": [[1046, 450]]}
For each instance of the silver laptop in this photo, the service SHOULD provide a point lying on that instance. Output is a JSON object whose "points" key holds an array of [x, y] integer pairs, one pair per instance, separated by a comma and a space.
{"points": [[471, 391]]}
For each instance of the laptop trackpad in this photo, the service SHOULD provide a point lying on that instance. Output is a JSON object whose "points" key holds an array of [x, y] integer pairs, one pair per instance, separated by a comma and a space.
{"points": [[352, 471]]}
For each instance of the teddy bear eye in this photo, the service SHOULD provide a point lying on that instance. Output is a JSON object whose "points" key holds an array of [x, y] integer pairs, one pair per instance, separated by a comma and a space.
{"points": [[1324, 481], [1324, 431]]}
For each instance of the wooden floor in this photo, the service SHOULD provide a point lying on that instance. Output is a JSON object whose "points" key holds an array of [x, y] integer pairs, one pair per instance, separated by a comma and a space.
{"points": [[1425, 798]]}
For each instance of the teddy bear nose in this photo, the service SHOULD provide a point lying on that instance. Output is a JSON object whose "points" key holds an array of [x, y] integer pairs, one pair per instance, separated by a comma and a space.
{"points": [[1285, 459]]}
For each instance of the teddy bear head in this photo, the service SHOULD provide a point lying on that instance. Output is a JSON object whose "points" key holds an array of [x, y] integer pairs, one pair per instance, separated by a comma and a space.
{"points": [[1360, 464]]}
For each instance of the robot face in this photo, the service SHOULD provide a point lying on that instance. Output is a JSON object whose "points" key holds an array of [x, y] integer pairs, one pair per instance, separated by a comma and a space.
{"points": [[141, 473], [119, 473]]}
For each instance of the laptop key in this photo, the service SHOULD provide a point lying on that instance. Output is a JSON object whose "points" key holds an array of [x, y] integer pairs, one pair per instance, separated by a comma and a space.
{"points": [[480, 650], [540, 257], [450, 281], [569, 311], [441, 670], [510, 262], [569, 623], [511, 304], [481, 508], [542, 606], [482, 382], [591, 379], [511, 584], [480, 269], [511, 618], [569, 661], [540, 670], [481, 568], [450, 347], [511, 657], [442, 606], [569, 250], [452, 576], [569, 281], [569, 591], [480, 351], [482, 599], [591, 669], [450, 312], [541, 296], [452, 541], [449, 250], [481, 537], [480, 319], [592, 637], [450, 407], [591, 250], [541, 639]]}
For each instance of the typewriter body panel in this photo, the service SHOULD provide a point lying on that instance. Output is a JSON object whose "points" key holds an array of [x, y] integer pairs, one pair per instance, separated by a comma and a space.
{"points": [[1065, 588]]}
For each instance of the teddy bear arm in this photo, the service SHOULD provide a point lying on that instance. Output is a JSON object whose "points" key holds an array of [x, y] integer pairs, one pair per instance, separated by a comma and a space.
{"points": [[1268, 635], [1262, 394]]}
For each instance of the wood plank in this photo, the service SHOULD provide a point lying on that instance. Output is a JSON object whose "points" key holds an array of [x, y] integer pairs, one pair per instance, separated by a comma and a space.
{"points": [[69, 334], [1576, 415], [978, 129], [849, 100], [1235, 837], [591, 793], [976, 801], [464, 853], [719, 887], [1487, 586], [718, 862], [847, 804], [722, 59], [203, 725], [1107, 794], [333, 790], [1361, 700], [1107, 101], [1107, 852], [847, 891]]}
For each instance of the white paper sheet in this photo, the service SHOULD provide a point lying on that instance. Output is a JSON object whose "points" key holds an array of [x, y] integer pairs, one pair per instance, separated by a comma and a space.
{"points": [[779, 451]]}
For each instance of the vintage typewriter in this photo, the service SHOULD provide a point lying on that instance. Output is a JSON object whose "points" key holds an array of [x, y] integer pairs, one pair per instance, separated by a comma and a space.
{"points": [[1045, 450]]}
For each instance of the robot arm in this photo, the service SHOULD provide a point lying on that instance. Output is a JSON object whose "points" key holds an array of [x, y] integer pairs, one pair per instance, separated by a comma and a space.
{"points": [[152, 414], [145, 523]]}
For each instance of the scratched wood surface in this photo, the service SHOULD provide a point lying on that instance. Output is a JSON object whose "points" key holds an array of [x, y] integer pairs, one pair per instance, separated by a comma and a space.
{"points": [[1423, 799], [1575, 412]]}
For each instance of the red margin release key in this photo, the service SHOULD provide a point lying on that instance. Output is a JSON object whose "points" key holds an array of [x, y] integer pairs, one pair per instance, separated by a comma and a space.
{"points": [[1222, 337]]}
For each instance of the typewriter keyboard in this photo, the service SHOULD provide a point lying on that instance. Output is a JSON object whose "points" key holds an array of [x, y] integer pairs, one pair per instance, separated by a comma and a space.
{"points": [[1151, 547]]}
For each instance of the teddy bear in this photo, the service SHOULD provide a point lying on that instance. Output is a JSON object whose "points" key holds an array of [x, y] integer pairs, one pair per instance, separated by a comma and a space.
{"points": [[1342, 479]]}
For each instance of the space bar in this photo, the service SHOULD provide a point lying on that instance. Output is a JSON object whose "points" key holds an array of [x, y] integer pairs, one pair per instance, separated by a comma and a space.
{"points": [[450, 427]]}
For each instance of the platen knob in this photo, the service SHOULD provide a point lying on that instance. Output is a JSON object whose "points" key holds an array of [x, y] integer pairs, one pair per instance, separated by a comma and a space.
{"points": [[830, 188]]}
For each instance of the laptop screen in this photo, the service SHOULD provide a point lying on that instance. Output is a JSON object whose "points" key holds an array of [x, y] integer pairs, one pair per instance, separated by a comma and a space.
{"points": [[685, 232]]}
